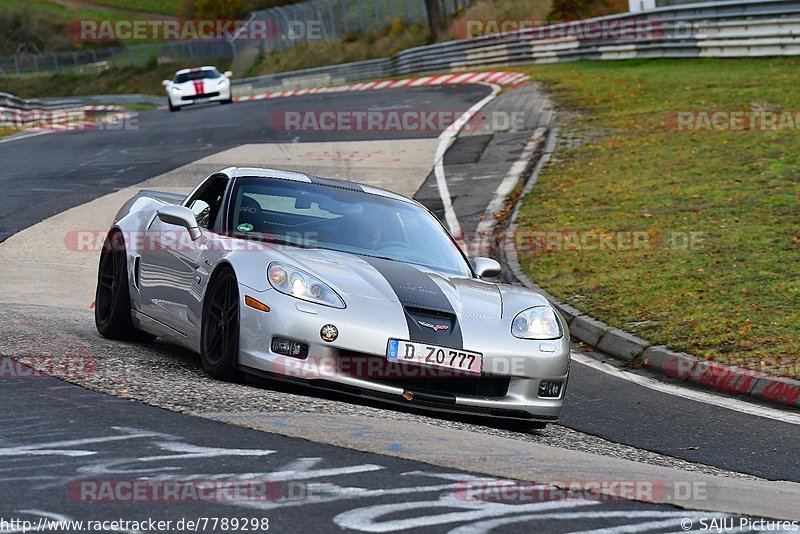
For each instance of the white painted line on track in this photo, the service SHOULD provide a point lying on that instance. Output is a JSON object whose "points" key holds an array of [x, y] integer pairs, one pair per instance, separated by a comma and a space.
{"points": [[446, 139], [689, 393]]}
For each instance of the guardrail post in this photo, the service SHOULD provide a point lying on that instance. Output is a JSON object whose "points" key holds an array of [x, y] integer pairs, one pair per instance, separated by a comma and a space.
{"points": [[75, 59], [16, 63]]}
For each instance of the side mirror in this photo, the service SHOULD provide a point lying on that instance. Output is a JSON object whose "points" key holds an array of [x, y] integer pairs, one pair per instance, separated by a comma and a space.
{"points": [[227, 74], [486, 267], [165, 82], [180, 216]]}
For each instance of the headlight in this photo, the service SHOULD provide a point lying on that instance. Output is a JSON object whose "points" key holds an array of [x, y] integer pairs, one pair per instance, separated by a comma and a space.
{"points": [[299, 284], [536, 323], [177, 91], [222, 83]]}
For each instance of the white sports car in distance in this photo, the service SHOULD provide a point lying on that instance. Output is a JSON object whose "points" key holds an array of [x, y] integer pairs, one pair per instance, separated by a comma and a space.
{"points": [[198, 85]]}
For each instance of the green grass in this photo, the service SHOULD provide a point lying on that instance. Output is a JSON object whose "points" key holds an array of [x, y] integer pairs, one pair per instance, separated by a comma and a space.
{"points": [[63, 14], [163, 7], [145, 80], [734, 298], [395, 37]]}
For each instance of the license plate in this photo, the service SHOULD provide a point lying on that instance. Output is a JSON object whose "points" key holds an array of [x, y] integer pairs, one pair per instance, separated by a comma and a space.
{"points": [[444, 357]]}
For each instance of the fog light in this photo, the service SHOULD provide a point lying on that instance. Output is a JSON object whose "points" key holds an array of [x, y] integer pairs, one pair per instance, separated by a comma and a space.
{"points": [[287, 347], [549, 390]]}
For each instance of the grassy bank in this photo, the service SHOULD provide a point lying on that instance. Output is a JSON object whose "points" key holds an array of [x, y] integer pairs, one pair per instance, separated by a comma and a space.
{"points": [[145, 80], [395, 37], [718, 273]]}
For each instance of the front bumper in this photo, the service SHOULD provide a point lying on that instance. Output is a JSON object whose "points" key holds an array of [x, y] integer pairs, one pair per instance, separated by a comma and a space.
{"points": [[356, 361], [222, 95]]}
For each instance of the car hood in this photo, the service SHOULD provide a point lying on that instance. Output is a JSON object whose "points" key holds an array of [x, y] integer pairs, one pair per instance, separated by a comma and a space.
{"points": [[204, 85], [356, 276]]}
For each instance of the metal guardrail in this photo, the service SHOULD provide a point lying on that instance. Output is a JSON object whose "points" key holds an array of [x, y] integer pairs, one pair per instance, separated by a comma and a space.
{"points": [[10, 101], [715, 29]]}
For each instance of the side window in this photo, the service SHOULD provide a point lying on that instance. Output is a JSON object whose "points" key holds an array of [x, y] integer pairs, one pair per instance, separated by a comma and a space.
{"points": [[202, 212], [207, 202]]}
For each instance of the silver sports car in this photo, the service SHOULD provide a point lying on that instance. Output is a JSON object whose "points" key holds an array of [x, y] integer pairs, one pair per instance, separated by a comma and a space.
{"points": [[334, 284]]}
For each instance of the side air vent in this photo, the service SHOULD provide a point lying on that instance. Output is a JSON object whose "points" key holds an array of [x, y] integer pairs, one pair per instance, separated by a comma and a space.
{"points": [[136, 272]]}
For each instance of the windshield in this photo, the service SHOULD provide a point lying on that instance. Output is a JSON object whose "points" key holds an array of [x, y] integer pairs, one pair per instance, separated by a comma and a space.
{"points": [[196, 75], [325, 216]]}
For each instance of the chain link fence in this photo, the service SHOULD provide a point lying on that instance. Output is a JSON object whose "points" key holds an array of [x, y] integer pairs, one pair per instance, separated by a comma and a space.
{"points": [[289, 26], [328, 20]]}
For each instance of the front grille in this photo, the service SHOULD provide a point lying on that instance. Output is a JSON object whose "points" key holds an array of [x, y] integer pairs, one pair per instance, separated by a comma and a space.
{"points": [[426, 312], [377, 368], [204, 95]]}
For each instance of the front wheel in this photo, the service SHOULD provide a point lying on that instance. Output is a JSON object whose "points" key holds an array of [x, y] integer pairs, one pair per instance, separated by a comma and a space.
{"points": [[219, 343], [112, 300], [171, 107]]}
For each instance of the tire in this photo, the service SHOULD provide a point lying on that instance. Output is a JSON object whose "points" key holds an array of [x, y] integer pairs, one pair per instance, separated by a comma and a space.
{"points": [[528, 426], [219, 337], [520, 425], [112, 310], [171, 107], [229, 101]]}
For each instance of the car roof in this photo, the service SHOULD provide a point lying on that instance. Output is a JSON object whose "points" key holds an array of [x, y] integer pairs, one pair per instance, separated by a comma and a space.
{"points": [[280, 174], [194, 69]]}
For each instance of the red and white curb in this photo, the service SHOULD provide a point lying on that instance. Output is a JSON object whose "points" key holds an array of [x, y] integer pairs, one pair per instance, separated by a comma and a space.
{"points": [[503, 78]]}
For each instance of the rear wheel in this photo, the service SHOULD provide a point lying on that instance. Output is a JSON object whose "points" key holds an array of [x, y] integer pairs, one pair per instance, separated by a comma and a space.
{"points": [[219, 342], [112, 310]]}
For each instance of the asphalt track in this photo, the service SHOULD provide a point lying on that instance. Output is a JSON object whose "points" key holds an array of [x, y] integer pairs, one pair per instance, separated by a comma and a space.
{"points": [[57, 434], [44, 175], [47, 174]]}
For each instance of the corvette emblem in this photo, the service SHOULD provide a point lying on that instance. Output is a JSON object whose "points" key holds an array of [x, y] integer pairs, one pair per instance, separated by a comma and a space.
{"points": [[436, 327]]}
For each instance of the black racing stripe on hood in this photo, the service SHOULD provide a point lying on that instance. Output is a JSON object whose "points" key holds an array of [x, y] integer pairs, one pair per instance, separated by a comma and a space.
{"points": [[332, 182], [423, 302]]}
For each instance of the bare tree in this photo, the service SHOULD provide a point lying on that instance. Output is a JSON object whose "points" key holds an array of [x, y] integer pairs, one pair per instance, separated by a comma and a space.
{"points": [[436, 16]]}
